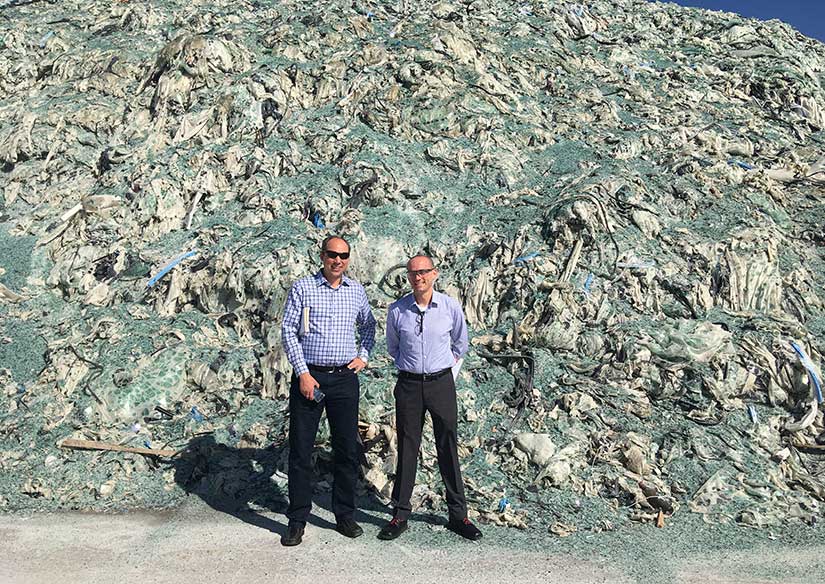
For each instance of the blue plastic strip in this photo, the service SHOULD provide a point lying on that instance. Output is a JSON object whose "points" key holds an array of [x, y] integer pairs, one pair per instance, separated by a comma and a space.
{"points": [[806, 362], [45, 39], [587, 283], [526, 258], [741, 164], [317, 221], [168, 267]]}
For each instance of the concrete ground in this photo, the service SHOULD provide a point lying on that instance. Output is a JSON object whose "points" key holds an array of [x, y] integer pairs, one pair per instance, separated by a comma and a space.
{"points": [[198, 544]]}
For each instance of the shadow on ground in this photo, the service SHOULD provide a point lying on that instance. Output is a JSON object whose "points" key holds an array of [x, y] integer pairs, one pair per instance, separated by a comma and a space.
{"points": [[250, 485]]}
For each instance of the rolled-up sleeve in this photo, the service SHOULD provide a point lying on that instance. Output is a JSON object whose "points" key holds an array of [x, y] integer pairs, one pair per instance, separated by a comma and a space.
{"points": [[458, 334], [289, 331]]}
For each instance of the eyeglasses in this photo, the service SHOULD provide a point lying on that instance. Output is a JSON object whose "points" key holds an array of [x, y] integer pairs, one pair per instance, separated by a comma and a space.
{"points": [[344, 255], [420, 323], [415, 273]]}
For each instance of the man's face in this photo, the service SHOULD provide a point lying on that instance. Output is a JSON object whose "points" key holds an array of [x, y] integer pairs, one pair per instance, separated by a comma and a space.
{"points": [[334, 264], [421, 274]]}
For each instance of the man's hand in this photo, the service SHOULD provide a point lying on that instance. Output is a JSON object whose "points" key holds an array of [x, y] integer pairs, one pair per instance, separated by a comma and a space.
{"points": [[356, 365], [307, 385]]}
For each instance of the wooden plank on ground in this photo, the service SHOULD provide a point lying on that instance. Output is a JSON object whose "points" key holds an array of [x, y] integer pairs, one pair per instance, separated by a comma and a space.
{"points": [[94, 445]]}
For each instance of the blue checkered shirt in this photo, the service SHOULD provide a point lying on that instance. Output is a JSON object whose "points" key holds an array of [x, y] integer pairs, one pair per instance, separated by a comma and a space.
{"points": [[334, 315]]}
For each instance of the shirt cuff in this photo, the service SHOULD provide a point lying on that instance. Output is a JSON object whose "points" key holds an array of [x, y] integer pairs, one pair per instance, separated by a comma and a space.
{"points": [[301, 369], [364, 355]]}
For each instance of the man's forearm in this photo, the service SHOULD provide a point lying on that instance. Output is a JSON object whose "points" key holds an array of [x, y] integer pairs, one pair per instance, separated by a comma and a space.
{"points": [[366, 333], [294, 352], [392, 338]]}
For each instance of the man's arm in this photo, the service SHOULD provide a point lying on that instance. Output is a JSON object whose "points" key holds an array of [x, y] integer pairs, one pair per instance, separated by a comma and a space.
{"points": [[289, 331], [458, 334], [392, 334], [365, 324]]}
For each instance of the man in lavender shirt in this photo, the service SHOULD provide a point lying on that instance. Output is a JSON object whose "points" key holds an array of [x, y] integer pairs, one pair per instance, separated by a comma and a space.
{"points": [[426, 336]]}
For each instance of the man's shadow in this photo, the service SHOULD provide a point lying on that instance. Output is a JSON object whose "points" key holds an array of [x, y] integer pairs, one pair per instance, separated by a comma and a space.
{"points": [[236, 481], [247, 482], [370, 507]]}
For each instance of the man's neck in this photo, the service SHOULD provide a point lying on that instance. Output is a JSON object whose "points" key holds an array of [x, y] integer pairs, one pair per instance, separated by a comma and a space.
{"points": [[334, 282], [425, 297]]}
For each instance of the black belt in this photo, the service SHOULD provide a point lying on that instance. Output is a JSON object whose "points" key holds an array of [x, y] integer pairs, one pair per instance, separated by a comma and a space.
{"points": [[424, 376], [328, 368]]}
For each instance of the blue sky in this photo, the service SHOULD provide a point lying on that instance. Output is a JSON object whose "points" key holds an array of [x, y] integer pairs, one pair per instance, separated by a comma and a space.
{"points": [[807, 16]]}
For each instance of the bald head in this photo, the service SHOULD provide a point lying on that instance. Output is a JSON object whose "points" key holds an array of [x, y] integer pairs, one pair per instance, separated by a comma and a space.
{"points": [[332, 238], [421, 261]]}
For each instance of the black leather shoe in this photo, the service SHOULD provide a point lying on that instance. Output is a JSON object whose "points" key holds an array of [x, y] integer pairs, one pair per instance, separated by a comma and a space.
{"points": [[348, 527], [393, 529], [465, 529], [294, 534]]}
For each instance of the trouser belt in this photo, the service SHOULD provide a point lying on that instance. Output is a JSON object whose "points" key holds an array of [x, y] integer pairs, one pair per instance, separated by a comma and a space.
{"points": [[424, 376], [327, 368]]}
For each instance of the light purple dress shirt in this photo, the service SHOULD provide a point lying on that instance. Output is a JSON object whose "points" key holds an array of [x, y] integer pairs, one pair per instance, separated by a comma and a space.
{"points": [[442, 342]]}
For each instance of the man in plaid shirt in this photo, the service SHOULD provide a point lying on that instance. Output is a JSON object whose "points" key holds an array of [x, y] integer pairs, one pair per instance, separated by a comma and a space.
{"points": [[321, 316]]}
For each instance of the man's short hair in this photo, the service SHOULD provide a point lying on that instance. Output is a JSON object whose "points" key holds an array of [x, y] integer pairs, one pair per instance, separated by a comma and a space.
{"points": [[420, 255], [330, 238]]}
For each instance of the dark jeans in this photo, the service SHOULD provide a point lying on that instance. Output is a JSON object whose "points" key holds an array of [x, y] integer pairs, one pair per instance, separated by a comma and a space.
{"points": [[412, 399], [341, 403]]}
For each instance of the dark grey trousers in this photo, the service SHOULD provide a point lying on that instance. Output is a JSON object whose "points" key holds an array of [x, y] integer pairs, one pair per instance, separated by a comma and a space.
{"points": [[412, 399]]}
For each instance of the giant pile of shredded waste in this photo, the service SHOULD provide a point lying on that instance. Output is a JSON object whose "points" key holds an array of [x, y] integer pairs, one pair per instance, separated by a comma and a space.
{"points": [[627, 197]]}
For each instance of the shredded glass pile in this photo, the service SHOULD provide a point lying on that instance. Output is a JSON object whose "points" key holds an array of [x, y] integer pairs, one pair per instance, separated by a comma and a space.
{"points": [[627, 197]]}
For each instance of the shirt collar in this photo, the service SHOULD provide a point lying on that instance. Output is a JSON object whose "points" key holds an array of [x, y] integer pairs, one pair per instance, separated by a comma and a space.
{"points": [[433, 302], [321, 281]]}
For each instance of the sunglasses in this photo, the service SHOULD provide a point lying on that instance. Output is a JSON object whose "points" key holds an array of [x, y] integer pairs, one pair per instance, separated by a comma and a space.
{"points": [[416, 273], [344, 255]]}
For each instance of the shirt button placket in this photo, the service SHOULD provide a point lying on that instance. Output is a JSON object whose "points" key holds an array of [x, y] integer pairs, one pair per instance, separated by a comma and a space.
{"points": [[423, 346]]}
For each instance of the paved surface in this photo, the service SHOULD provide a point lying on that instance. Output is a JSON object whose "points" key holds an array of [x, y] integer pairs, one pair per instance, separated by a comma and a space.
{"points": [[199, 544]]}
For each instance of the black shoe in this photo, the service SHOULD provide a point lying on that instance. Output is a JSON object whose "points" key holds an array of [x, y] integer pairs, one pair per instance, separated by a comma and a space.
{"points": [[393, 529], [465, 529], [348, 527], [293, 534]]}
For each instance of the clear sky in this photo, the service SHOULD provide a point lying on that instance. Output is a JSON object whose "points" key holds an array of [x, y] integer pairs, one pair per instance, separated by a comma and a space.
{"points": [[807, 16]]}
